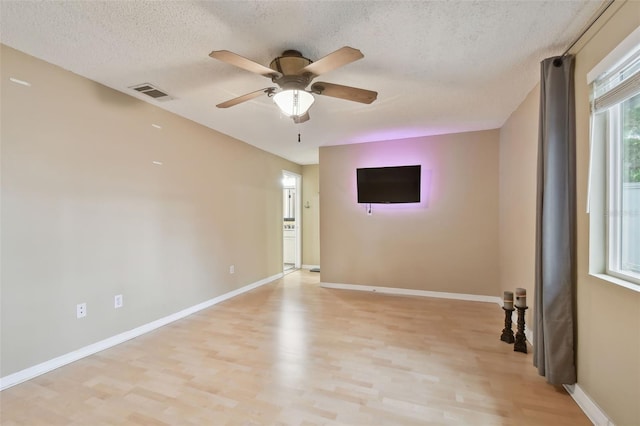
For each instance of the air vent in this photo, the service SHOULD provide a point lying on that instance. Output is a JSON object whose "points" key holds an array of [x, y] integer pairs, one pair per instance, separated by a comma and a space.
{"points": [[151, 91]]}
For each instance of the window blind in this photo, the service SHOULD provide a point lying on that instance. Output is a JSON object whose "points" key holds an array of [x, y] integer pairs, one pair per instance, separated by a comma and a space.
{"points": [[618, 85]]}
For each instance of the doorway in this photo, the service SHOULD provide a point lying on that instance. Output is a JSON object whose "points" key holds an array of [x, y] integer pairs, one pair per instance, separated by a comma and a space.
{"points": [[291, 221]]}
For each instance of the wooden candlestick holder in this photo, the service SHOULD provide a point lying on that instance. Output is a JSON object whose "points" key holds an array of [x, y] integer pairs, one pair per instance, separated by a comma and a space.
{"points": [[507, 333], [521, 340]]}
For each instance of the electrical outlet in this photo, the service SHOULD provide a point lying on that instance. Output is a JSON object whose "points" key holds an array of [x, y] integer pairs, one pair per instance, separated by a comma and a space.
{"points": [[232, 269], [117, 301], [81, 310]]}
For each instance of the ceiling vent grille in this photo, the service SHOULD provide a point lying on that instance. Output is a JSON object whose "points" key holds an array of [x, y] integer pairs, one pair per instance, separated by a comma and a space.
{"points": [[151, 91]]}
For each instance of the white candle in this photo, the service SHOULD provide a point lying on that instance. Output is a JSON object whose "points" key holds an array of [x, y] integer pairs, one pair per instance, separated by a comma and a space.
{"points": [[521, 298], [508, 300]]}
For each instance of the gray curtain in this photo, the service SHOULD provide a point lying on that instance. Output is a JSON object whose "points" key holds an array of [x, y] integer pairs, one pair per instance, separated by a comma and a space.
{"points": [[553, 343]]}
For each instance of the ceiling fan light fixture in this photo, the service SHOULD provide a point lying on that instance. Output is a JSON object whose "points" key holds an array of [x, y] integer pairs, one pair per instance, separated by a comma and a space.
{"points": [[294, 102]]}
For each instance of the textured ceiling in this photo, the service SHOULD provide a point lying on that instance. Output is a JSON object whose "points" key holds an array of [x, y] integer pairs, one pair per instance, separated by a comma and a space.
{"points": [[438, 67]]}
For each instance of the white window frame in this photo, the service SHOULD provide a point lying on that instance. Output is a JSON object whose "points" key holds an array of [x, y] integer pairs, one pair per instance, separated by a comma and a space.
{"points": [[614, 197], [605, 177]]}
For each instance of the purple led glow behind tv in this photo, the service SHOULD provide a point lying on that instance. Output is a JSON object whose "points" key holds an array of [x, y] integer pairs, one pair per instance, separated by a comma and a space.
{"points": [[388, 185]]}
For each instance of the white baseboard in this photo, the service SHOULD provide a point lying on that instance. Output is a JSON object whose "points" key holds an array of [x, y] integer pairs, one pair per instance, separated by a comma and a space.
{"points": [[586, 404], [44, 367], [424, 293], [411, 292], [528, 333], [310, 266]]}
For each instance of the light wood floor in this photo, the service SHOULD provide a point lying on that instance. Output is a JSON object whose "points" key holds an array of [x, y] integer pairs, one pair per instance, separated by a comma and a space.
{"points": [[293, 353]]}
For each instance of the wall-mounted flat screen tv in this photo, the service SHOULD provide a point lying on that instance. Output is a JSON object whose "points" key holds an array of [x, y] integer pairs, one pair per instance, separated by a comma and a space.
{"points": [[386, 185]]}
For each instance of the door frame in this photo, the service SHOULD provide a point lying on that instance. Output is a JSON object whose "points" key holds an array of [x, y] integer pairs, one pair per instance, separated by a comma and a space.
{"points": [[298, 213]]}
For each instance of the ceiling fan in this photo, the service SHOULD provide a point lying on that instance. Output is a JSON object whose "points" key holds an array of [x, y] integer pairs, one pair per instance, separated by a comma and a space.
{"points": [[292, 72]]}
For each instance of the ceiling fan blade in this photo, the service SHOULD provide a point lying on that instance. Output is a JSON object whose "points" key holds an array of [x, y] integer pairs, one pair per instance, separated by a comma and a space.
{"points": [[244, 63], [343, 56], [244, 98], [344, 92], [302, 118]]}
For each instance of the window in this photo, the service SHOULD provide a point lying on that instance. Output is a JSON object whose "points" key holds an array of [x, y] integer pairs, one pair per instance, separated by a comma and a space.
{"points": [[623, 248], [616, 134]]}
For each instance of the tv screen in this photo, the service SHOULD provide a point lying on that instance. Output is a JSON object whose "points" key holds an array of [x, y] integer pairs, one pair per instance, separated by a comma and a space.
{"points": [[386, 185]]}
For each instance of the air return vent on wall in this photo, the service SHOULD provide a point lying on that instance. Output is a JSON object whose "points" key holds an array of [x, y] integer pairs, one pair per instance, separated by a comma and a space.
{"points": [[151, 91]]}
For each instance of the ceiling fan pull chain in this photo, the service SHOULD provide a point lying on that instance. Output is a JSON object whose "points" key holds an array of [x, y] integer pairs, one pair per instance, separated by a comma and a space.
{"points": [[298, 137]]}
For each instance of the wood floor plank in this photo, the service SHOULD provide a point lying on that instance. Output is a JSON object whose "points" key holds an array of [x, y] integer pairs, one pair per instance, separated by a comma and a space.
{"points": [[294, 353]]}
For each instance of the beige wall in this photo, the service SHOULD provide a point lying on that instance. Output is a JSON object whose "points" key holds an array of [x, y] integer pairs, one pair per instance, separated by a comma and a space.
{"points": [[608, 340], [86, 215], [518, 167], [608, 315], [310, 215], [448, 242]]}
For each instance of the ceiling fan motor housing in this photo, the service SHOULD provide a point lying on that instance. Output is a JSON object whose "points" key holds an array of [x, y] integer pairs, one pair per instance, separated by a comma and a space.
{"points": [[290, 63], [293, 82]]}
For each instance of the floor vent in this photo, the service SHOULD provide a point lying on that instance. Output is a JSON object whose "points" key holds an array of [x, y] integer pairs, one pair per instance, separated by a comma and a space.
{"points": [[151, 91]]}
